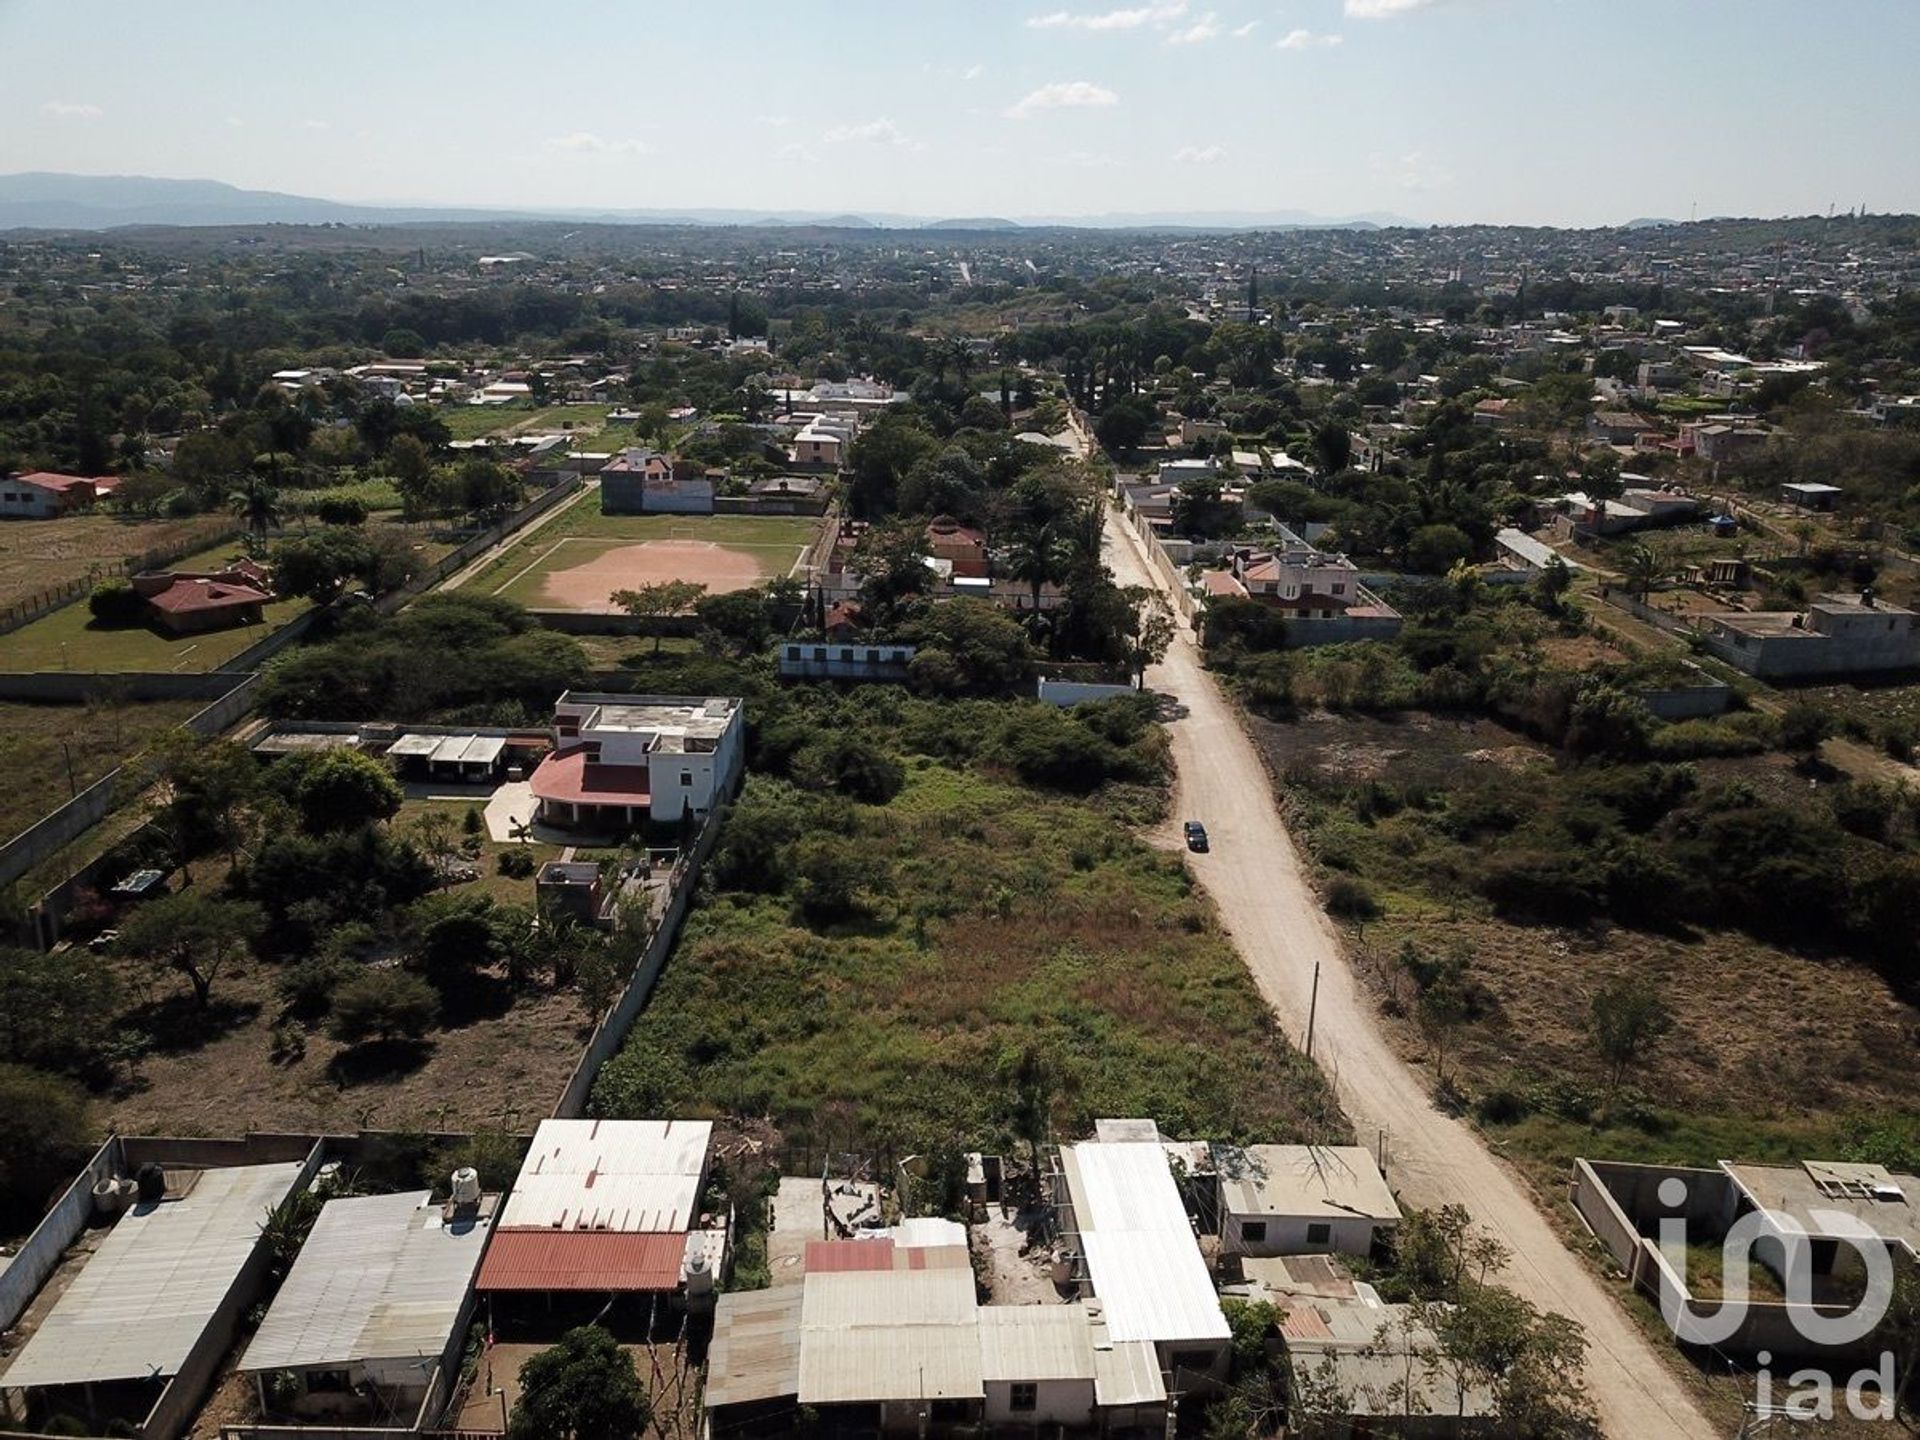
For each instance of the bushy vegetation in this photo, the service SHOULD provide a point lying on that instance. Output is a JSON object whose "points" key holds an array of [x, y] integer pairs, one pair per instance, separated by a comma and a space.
{"points": [[446, 653], [918, 967]]}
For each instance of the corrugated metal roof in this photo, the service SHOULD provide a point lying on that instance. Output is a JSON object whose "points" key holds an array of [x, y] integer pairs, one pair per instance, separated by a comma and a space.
{"points": [[833, 1256], [1142, 1258], [1303, 1180], [1036, 1342], [381, 1277], [632, 1203], [1127, 1374], [1126, 1186], [1153, 1286], [633, 1175], [889, 1335], [603, 1261], [755, 1351], [140, 1302]]}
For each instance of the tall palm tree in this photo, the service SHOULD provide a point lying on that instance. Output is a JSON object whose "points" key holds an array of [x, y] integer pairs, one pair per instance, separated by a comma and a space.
{"points": [[1039, 555], [257, 504], [1645, 568]]}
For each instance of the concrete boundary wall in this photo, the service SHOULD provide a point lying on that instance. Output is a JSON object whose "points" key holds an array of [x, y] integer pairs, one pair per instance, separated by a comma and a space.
{"points": [[35, 1260], [1076, 692], [72, 687], [612, 1029]]}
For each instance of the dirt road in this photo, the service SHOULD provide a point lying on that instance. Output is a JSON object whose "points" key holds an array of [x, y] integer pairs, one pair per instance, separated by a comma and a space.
{"points": [[1255, 878]]}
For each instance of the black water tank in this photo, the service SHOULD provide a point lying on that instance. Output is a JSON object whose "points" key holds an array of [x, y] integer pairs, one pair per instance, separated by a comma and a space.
{"points": [[152, 1181]]}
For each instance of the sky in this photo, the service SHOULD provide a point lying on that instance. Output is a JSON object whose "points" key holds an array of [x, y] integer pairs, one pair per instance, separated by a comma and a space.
{"points": [[1572, 112]]}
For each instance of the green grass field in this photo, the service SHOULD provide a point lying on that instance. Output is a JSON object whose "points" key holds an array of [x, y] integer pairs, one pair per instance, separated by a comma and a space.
{"points": [[69, 640]]}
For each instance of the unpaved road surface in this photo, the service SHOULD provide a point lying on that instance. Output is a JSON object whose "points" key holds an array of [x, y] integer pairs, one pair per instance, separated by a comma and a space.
{"points": [[1255, 877]]}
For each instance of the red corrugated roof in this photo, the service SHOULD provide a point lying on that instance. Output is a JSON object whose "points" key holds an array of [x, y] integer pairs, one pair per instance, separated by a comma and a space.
{"points": [[575, 778], [52, 480], [582, 1260], [830, 1256]]}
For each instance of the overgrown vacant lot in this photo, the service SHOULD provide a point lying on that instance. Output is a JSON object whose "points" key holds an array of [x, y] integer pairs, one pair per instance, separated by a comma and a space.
{"points": [[1777, 1049], [36, 555], [988, 921], [39, 742]]}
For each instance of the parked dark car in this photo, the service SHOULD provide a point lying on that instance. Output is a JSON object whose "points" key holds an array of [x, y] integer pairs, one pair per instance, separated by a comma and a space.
{"points": [[1196, 836]]}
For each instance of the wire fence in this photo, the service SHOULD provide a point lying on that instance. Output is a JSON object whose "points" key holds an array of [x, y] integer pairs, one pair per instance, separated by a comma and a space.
{"points": [[66, 592]]}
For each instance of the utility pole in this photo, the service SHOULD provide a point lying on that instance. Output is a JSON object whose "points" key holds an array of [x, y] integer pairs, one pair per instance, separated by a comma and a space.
{"points": [[1313, 1008]]}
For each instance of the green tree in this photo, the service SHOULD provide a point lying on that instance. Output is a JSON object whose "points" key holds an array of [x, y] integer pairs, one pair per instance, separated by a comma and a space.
{"points": [[487, 489], [54, 1008], [1803, 727], [1626, 1019], [659, 601], [317, 567], [344, 790], [256, 504], [891, 561], [194, 935], [45, 1128], [584, 1388], [115, 603], [1552, 584], [383, 1005], [1644, 567], [1151, 631], [1436, 549], [1123, 425]]}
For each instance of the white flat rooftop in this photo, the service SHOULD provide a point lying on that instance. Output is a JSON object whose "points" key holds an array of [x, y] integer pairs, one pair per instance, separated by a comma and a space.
{"points": [[140, 1303]]}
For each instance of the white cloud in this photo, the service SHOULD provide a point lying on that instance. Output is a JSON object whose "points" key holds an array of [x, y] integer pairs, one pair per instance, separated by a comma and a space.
{"points": [[1062, 95], [582, 142], [1382, 9], [872, 132], [235, 122], [71, 110], [1130, 19], [1305, 40], [315, 125], [775, 122], [973, 72], [1206, 28], [1412, 171], [1245, 30], [1199, 155], [797, 153]]}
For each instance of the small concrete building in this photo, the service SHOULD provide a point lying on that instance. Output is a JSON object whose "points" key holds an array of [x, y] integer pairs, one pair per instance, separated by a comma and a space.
{"points": [[1301, 1200], [1810, 495], [1836, 635]]}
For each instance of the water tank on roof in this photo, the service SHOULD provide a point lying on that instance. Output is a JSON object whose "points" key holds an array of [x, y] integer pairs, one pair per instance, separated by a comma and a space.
{"points": [[699, 1274], [466, 1186]]}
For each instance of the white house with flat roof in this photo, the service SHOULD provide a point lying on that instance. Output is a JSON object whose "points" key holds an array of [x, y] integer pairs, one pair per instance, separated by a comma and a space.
{"points": [[621, 759], [1301, 1199]]}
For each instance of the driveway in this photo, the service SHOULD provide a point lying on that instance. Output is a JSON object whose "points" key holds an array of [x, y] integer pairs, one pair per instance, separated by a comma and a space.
{"points": [[1257, 881]]}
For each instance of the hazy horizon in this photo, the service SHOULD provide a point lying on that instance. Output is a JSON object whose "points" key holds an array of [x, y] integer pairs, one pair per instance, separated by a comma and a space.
{"points": [[1525, 112]]}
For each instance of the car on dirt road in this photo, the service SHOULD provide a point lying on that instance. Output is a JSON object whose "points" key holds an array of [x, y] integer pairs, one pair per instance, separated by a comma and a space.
{"points": [[1196, 837]]}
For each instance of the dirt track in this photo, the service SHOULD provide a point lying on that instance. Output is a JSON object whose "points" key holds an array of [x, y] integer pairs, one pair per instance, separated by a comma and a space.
{"points": [[1256, 879]]}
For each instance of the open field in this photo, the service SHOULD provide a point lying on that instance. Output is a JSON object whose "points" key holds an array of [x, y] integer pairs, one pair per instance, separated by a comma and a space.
{"points": [[36, 555], [1000, 920], [475, 422], [1774, 1054], [49, 752], [583, 556]]}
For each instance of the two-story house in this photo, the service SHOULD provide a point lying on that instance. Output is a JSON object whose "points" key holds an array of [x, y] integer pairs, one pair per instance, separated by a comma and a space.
{"points": [[621, 760]]}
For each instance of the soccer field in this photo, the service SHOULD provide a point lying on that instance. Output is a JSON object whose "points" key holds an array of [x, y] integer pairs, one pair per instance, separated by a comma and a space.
{"points": [[580, 571]]}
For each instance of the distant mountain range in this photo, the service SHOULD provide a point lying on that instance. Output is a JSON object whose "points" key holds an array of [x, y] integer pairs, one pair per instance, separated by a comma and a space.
{"points": [[45, 200]]}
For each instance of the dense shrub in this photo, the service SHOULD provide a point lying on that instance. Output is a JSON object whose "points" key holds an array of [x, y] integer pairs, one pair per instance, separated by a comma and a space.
{"points": [[114, 602], [383, 1005]]}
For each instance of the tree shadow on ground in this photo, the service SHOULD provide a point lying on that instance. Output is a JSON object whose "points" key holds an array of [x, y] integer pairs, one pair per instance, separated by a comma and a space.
{"points": [[378, 1062], [176, 1024], [473, 996]]}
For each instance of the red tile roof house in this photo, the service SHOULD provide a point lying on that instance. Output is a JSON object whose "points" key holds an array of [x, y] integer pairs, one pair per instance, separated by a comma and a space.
{"points": [[191, 603], [41, 494]]}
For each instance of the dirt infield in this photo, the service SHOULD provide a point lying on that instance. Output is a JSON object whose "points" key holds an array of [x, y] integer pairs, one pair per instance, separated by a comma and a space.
{"points": [[589, 586]]}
